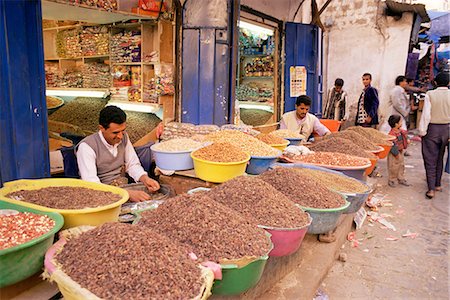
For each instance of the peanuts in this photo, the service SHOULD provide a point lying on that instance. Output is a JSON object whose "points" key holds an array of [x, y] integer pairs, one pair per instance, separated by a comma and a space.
{"points": [[271, 139], [221, 152], [332, 159]]}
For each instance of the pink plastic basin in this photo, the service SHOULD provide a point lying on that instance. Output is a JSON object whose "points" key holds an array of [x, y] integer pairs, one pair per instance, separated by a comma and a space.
{"points": [[286, 241]]}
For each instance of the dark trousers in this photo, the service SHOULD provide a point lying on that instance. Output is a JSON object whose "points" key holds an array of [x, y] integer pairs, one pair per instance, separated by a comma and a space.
{"points": [[433, 149]]}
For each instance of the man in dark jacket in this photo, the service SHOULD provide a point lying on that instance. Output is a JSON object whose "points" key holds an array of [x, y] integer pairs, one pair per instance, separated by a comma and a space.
{"points": [[367, 110]]}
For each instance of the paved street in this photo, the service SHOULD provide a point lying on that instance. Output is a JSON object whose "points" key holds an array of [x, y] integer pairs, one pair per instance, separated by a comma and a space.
{"points": [[386, 265]]}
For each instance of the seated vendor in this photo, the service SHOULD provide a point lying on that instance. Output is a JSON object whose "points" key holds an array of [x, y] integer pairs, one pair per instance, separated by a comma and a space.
{"points": [[106, 155], [301, 121]]}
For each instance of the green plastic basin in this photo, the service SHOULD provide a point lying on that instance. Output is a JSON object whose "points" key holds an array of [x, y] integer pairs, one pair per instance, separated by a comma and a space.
{"points": [[237, 280], [20, 262]]}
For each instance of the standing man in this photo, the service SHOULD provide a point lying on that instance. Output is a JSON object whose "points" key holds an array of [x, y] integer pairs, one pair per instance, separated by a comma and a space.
{"points": [[301, 121], [434, 127], [398, 104], [367, 114], [106, 155], [336, 107]]}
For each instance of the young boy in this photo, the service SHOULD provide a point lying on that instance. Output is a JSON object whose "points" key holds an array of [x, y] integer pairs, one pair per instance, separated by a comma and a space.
{"points": [[396, 163]]}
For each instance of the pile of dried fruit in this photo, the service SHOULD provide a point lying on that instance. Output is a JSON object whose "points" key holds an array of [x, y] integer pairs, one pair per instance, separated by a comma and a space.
{"points": [[120, 261], [256, 199], [271, 139], [340, 145], [221, 152], [334, 181], [356, 138], [17, 229], [302, 189], [212, 231], [287, 134], [176, 145], [246, 142], [373, 135], [66, 197], [331, 159]]}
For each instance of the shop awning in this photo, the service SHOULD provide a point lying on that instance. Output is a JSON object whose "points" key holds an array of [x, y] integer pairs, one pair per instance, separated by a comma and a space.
{"points": [[396, 8]]}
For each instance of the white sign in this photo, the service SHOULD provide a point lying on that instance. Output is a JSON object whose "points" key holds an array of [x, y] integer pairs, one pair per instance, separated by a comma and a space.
{"points": [[298, 77]]}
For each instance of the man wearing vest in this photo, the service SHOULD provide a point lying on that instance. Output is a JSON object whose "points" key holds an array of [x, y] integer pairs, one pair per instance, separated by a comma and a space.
{"points": [[301, 121], [434, 127], [104, 156], [367, 110]]}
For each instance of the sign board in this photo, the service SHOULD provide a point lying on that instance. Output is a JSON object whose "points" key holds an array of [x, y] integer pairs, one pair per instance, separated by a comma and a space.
{"points": [[298, 76]]}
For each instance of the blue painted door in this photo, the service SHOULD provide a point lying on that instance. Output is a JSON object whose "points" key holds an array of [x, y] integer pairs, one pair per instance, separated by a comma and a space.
{"points": [[302, 46], [23, 110], [207, 95]]}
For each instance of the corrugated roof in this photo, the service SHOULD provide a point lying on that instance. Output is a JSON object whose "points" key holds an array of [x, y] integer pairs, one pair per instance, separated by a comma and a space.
{"points": [[399, 8]]}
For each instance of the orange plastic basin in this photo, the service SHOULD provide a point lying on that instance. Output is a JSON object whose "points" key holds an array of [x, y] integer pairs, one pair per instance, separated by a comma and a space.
{"points": [[385, 152], [373, 163], [332, 125]]}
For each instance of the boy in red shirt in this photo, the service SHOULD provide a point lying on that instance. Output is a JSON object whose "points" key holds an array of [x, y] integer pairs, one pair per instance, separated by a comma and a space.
{"points": [[396, 162]]}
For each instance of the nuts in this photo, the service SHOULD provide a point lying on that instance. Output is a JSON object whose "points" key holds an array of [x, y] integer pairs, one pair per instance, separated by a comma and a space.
{"points": [[331, 159], [373, 135], [356, 138], [286, 133], [271, 139], [221, 152], [341, 145], [176, 145]]}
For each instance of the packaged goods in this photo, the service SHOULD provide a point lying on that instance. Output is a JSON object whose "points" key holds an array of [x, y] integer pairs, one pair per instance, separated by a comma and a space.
{"points": [[340, 145], [126, 46], [302, 189], [176, 145], [140, 264], [65, 197], [68, 43], [212, 231], [335, 182], [51, 74], [121, 75], [221, 152], [96, 75], [71, 78], [256, 199], [95, 40], [20, 227]]}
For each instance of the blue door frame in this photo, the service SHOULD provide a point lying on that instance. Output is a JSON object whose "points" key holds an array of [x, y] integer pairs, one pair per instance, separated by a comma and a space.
{"points": [[303, 49], [23, 110]]}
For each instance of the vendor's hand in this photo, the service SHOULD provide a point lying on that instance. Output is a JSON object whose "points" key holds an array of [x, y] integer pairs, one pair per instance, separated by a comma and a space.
{"points": [[138, 196], [152, 185], [368, 119]]}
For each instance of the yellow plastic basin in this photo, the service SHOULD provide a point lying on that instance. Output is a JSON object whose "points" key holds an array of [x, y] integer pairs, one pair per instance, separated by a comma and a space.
{"points": [[218, 172], [72, 217], [280, 147]]}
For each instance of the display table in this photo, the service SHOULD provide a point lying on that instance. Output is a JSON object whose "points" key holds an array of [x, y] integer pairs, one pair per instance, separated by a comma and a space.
{"points": [[183, 181]]}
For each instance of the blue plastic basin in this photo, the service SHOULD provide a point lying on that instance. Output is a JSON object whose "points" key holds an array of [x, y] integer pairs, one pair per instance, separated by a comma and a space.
{"points": [[294, 141], [324, 219], [260, 164], [175, 161]]}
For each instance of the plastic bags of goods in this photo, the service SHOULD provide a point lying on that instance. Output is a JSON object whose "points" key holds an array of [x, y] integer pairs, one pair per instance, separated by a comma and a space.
{"points": [[95, 40], [119, 93], [121, 75], [134, 94], [51, 74], [151, 57], [179, 130], [164, 79], [136, 76], [150, 94], [68, 43], [104, 4], [254, 92], [126, 46], [96, 75], [71, 78], [141, 264]]}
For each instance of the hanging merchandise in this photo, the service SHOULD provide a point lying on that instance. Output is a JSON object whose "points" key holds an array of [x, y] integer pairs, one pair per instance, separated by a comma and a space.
{"points": [[126, 46], [95, 40]]}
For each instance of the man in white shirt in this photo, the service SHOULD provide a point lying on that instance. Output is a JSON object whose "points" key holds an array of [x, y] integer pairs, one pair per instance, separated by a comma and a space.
{"points": [[104, 156], [301, 121]]}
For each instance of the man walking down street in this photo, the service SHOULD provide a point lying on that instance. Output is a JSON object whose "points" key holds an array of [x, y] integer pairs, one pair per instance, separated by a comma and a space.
{"points": [[367, 114], [398, 104]]}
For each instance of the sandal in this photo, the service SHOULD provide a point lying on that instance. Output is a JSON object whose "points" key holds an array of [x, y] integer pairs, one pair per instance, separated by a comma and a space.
{"points": [[391, 183], [429, 194], [404, 182], [438, 188]]}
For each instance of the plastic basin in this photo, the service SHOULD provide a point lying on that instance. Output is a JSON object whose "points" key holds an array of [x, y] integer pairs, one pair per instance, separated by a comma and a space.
{"points": [[218, 172], [324, 219], [280, 147], [286, 240], [20, 262], [72, 217], [385, 152], [236, 280], [294, 141], [332, 125], [260, 164], [176, 161], [373, 163]]}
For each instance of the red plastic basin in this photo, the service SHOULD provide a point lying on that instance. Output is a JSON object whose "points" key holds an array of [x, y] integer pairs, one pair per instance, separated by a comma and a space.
{"points": [[373, 163], [286, 241], [332, 125], [385, 152]]}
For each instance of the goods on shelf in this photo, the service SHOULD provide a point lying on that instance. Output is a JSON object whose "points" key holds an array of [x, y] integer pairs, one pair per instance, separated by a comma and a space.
{"points": [[251, 43], [260, 66], [51, 74], [151, 57], [302, 189], [136, 76], [94, 40], [150, 94], [109, 5], [65, 197], [134, 94], [254, 91], [164, 79], [17, 228], [121, 75], [341, 145], [220, 152], [126, 46], [179, 130], [96, 75], [71, 78], [68, 43], [119, 93]]}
